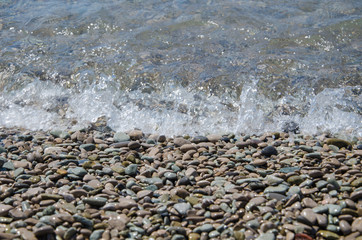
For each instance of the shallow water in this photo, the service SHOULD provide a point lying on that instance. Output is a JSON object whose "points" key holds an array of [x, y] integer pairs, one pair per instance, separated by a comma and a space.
{"points": [[179, 67]]}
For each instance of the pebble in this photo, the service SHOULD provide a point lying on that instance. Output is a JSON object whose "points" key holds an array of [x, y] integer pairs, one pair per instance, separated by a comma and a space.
{"points": [[100, 185], [272, 180], [78, 171], [334, 210], [43, 231], [328, 235], [95, 201], [121, 137], [182, 208], [281, 188], [345, 227], [4, 209], [269, 151], [126, 203], [338, 142], [321, 209], [357, 225], [309, 215], [88, 147], [135, 134], [131, 170], [266, 236], [97, 234], [206, 228], [69, 233]]}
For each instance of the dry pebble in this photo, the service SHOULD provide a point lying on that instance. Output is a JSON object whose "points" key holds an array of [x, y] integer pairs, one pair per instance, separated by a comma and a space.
{"points": [[88, 184]]}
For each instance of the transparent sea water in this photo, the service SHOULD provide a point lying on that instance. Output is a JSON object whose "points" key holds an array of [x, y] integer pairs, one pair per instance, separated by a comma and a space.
{"points": [[182, 67]]}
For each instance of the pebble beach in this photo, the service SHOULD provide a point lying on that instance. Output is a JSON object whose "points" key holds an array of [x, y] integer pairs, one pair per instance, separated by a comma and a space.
{"points": [[99, 184]]}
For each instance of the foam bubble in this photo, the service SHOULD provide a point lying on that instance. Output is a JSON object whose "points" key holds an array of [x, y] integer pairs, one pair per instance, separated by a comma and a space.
{"points": [[176, 110]]}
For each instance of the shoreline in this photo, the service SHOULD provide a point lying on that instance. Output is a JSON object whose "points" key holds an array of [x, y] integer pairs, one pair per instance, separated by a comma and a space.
{"points": [[97, 184]]}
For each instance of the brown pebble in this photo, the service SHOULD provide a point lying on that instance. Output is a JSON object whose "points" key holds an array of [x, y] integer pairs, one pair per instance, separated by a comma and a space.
{"points": [[345, 227], [309, 203], [9, 236], [188, 147], [85, 232], [357, 225], [309, 215], [26, 234], [322, 220], [259, 162], [4, 209], [143, 193], [315, 174], [43, 230]]}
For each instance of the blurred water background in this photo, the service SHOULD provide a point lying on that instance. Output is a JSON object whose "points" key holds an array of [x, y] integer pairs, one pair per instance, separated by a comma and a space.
{"points": [[177, 67]]}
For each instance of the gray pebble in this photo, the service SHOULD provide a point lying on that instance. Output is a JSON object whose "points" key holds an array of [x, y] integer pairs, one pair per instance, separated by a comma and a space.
{"points": [[131, 170], [97, 234]]}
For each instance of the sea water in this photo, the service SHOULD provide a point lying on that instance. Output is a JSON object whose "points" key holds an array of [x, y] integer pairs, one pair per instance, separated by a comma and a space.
{"points": [[182, 67]]}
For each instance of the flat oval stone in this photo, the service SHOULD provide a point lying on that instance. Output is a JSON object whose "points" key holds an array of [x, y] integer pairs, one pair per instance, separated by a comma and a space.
{"points": [[126, 203], [321, 209], [356, 195], [97, 234], [194, 236], [289, 169], [143, 193], [43, 230], [345, 227], [214, 234], [328, 235], [188, 147], [315, 174], [94, 183], [277, 189], [266, 236], [88, 147], [269, 151], [206, 227], [295, 180], [259, 162], [338, 142], [78, 171], [170, 176], [95, 201]]}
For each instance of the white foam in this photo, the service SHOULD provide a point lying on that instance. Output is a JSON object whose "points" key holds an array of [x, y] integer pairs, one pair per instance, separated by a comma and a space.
{"points": [[174, 110]]}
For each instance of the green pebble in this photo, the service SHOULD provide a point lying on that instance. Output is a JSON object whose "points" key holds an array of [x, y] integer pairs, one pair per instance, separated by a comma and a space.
{"points": [[34, 179], [295, 180], [338, 142], [5, 220], [192, 200], [328, 235], [357, 183]]}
